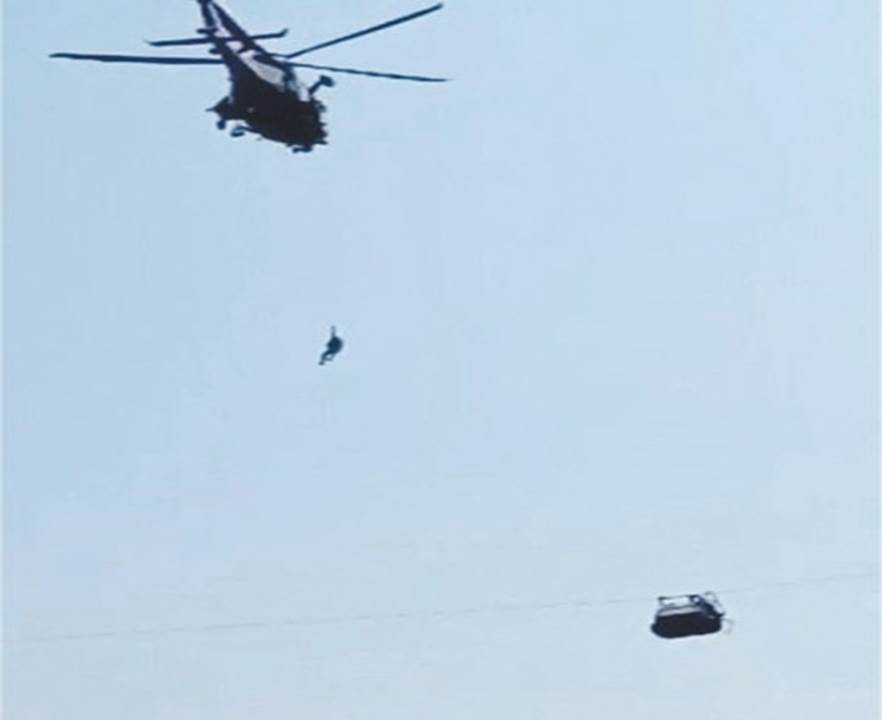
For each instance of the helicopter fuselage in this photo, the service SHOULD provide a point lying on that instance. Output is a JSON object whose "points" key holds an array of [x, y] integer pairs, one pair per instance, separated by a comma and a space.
{"points": [[275, 109]]}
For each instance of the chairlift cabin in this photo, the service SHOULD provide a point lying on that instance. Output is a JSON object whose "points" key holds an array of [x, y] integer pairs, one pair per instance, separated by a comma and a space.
{"points": [[687, 615]]}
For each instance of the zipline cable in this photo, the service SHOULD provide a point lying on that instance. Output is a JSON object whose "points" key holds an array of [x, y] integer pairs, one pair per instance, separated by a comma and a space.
{"points": [[410, 615]]}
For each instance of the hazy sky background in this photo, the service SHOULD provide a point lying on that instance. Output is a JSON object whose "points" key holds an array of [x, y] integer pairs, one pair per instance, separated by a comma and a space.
{"points": [[610, 308]]}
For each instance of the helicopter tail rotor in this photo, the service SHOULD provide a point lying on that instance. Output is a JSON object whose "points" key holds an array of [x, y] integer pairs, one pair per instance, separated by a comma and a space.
{"points": [[177, 42]]}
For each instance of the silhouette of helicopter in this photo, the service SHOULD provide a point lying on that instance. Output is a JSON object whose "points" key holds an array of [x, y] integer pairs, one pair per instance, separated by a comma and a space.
{"points": [[266, 98]]}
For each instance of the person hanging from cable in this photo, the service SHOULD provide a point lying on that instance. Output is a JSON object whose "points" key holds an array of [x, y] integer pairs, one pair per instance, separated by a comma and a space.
{"points": [[333, 346]]}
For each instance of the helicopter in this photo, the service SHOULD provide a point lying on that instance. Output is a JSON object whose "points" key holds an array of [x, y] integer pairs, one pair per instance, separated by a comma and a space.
{"points": [[266, 97]]}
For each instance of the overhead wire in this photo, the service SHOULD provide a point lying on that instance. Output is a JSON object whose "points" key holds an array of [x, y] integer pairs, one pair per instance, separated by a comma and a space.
{"points": [[427, 614]]}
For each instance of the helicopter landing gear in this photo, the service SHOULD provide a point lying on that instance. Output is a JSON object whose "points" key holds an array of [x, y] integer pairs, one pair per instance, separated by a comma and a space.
{"points": [[221, 124], [238, 131]]}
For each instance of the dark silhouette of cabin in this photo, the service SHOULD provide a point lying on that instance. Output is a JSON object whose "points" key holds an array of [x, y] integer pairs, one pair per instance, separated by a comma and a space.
{"points": [[688, 615]]}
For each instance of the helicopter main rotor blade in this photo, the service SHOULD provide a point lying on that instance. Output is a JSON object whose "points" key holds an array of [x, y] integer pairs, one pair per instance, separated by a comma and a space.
{"points": [[369, 73], [143, 59], [366, 31]]}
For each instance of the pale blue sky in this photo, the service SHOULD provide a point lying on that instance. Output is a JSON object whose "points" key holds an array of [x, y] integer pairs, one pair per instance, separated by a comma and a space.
{"points": [[610, 308]]}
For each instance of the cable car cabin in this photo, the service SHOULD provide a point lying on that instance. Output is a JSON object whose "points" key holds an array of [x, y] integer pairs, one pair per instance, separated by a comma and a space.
{"points": [[688, 615]]}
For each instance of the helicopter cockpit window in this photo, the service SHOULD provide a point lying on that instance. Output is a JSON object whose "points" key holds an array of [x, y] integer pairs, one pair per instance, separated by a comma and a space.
{"points": [[272, 74]]}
